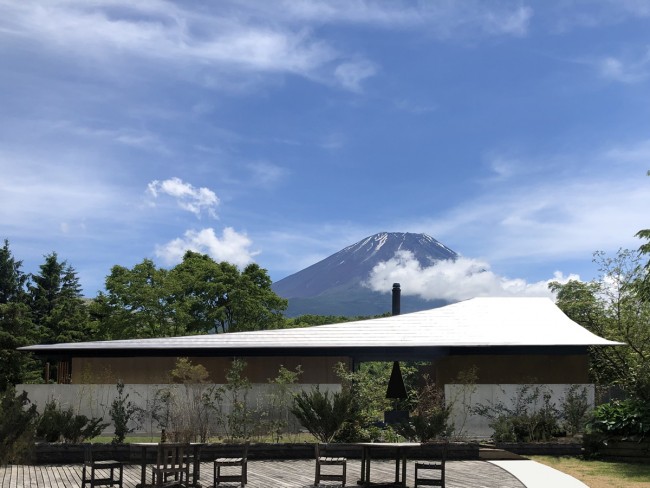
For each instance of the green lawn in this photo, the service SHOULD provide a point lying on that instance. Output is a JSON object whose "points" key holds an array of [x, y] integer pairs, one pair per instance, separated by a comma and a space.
{"points": [[600, 474]]}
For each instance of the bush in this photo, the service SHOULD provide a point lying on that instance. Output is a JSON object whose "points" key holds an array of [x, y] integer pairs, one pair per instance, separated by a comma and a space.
{"points": [[57, 424], [575, 409], [625, 418], [122, 412], [17, 424], [531, 418], [430, 418], [321, 414]]}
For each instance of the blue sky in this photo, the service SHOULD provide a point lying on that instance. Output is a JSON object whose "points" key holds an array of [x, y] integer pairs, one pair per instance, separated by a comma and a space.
{"points": [[517, 133]]}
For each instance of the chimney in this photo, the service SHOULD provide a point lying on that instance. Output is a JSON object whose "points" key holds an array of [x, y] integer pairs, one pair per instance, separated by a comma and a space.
{"points": [[396, 298]]}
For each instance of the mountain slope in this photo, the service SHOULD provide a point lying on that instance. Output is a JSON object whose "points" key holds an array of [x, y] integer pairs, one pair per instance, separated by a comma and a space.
{"points": [[334, 286]]}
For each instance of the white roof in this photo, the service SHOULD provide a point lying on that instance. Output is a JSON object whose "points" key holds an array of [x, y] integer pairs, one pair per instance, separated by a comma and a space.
{"points": [[479, 322]]}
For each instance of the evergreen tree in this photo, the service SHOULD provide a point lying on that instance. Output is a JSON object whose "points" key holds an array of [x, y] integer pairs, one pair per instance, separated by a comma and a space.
{"points": [[58, 308], [16, 327]]}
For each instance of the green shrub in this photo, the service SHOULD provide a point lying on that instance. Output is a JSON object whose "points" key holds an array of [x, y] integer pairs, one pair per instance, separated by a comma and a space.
{"points": [[531, 418], [17, 424], [430, 417], [123, 412], [626, 418], [575, 409], [58, 424], [321, 414]]}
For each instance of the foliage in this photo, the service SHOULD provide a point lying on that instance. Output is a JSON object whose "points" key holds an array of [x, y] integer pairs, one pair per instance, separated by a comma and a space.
{"points": [[136, 304], [57, 305], [626, 418], [613, 308], [17, 424], [186, 416], [322, 414], [368, 390], [430, 417], [278, 402], [532, 417], [123, 412], [198, 295], [575, 409], [16, 326], [236, 417], [58, 424]]}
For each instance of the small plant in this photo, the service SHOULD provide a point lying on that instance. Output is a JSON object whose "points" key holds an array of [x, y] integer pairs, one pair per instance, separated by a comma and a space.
{"points": [[626, 418], [237, 419], [122, 412], [430, 418], [531, 418], [186, 417], [574, 409], [321, 414], [57, 424], [279, 400], [17, 424]]}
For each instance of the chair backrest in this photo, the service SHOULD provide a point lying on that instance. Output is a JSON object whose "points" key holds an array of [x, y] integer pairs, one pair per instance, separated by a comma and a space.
{"points": [[88, 453], [171, 456], [245, 449], [320, 449]]}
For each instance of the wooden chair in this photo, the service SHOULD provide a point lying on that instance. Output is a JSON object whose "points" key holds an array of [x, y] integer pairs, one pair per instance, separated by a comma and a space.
{"points": [[100, 473], [172, 467], [437, 469], [323, 460], [241, 462]]}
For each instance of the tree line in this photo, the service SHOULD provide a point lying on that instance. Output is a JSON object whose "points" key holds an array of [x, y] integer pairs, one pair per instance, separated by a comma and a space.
{"points": [[197, 296]]}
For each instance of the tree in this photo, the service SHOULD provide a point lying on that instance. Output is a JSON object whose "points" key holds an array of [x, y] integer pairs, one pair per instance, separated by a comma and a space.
{"points": [[137, 304], [198, 286], [198, 295], [57, 304], [16, 327], [612, 307], [251, 304]]}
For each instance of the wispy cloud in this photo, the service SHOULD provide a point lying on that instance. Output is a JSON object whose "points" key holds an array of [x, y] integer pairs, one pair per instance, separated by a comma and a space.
{"points": [[351, 74], [231, 246], [265, 174], [625, 70], [187, 197], [443, 18], [215, 43], [586, 208]]}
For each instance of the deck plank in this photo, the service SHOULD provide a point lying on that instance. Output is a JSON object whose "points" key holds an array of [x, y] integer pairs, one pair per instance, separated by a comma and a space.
{"points": [[265, 473]]}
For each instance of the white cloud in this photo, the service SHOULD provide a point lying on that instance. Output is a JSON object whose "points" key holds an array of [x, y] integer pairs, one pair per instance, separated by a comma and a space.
{"points": [[444, 19], [453, 280], [626, 71], [239, 40], [265, 174], [352, 74], [232, 246], [187, 196]]}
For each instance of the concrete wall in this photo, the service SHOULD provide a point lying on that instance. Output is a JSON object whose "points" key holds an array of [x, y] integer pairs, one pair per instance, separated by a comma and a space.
{"points": [[94, 400], [464, 397]]}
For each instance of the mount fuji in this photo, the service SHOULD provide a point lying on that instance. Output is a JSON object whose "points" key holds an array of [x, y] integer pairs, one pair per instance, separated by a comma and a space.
{"points": [[335, 285]]}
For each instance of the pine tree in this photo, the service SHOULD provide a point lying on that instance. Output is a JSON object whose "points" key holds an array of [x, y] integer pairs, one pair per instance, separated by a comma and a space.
{"points": [[16, 327]]}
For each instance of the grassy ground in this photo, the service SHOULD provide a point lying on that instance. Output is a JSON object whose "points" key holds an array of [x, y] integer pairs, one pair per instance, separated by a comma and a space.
{"points": [[600, 474]]}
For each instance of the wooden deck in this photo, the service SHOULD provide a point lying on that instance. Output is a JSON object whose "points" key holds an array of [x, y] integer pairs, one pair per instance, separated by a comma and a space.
{"points": [[268, 474]]}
